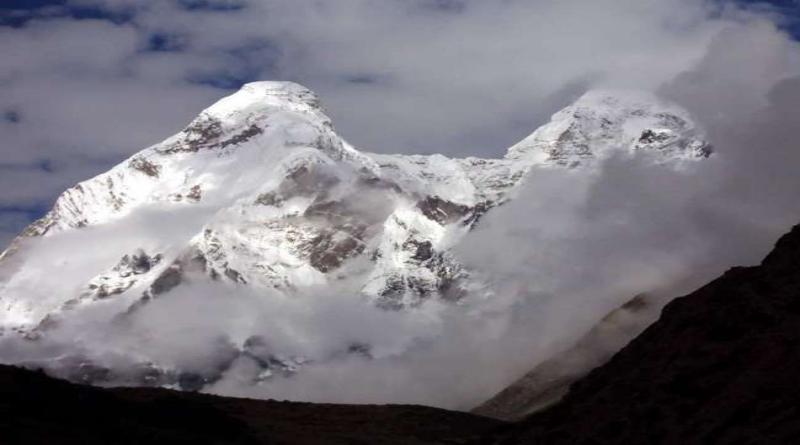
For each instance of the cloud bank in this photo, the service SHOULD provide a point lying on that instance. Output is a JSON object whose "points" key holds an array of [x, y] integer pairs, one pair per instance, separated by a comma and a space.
{"points": [[459, 77]]}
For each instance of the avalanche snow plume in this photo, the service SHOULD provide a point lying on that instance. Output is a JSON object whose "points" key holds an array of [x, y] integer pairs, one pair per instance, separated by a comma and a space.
{"points": [[257, 253]]}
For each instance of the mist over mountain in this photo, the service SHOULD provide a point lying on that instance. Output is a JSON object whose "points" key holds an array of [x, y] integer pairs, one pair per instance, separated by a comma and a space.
{"points": [[259, 253], [718, 366], [256, 250]]}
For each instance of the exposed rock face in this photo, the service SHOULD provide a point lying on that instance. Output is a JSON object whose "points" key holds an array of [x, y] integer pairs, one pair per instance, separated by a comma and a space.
{"points": [[260, 193], [123, 275], [145, 166], [719, 366]]}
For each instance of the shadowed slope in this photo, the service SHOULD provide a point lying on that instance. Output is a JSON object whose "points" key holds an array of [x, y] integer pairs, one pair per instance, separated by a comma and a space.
{"points": [[36, 409], [720, 366], [545, 384]]}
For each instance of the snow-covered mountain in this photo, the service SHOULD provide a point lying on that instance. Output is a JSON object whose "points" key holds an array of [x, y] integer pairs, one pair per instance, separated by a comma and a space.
{"points": [[259, 195]]}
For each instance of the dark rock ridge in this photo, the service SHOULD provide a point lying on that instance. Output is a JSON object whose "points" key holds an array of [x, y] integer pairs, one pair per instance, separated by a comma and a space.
{"points": [[145, 166], [719, 367], [36, 409]]}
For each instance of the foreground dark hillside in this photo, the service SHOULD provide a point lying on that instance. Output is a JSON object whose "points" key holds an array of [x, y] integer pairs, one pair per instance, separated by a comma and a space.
{"points": [[36, 409], [722, 365]]}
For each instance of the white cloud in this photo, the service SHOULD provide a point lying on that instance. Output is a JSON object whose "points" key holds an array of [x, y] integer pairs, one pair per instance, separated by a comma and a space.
{"points": [[453, 77], [407, 76]]}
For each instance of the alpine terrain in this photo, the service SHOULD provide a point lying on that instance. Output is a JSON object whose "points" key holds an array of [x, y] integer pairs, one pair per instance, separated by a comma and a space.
{"points": [[258, 199], [719, 366]]}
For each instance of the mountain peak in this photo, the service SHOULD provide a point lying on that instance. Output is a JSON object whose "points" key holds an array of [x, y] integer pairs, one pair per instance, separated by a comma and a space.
{"points": [[605, 122], [260, 198], [265, 95]]}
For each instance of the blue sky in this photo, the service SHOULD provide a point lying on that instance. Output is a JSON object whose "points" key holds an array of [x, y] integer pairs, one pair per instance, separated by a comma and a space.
{"points": [[86, 83], [789, 11]]}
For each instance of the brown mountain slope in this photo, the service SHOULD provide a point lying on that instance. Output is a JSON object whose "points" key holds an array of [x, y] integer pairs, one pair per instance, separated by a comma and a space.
{"points": [[721, 365]]}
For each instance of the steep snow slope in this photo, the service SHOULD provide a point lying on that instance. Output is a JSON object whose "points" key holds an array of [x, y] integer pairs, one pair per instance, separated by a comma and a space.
{"points": [[259, 196]]}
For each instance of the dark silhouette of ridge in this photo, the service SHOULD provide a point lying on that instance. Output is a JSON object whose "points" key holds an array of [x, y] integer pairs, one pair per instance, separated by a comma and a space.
{"points": [[721, 366], [37, 409]]}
